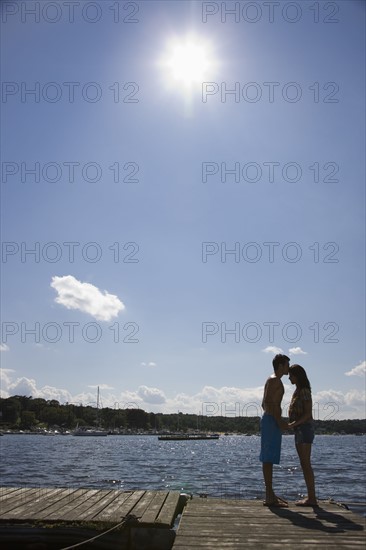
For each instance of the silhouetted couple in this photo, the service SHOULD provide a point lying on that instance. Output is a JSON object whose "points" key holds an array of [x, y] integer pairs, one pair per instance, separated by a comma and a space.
{"points": [[272, 426]]}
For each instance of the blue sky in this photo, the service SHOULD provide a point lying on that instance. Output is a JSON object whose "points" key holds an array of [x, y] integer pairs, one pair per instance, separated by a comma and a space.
{"points": [[150, 256]]}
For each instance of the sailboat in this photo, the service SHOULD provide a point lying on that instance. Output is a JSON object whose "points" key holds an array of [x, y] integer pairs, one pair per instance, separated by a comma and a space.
{"points": [[82, 431]]}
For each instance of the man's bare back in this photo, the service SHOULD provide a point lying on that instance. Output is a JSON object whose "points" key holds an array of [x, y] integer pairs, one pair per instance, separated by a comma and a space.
{"points": [[272, 397]]}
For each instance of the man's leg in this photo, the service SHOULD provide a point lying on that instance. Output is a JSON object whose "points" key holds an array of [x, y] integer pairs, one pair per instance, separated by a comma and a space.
{"points": [[271, 498], [268, 477]]}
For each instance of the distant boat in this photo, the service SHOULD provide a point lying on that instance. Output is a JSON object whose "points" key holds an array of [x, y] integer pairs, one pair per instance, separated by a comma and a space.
{"points": [[89, 431], [184, 437], [82, 431]]}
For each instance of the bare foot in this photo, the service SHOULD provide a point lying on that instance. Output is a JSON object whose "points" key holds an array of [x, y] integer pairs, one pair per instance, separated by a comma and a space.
{"points": [[281, 499], [276, 503], [306, 502]]}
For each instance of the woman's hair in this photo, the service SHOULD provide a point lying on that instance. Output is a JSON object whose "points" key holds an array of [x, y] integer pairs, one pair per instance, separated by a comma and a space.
{"points": [[302, 380]]}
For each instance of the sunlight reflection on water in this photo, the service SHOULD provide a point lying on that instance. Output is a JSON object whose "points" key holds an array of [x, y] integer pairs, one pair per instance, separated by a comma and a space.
{"points": [[228, 467]]}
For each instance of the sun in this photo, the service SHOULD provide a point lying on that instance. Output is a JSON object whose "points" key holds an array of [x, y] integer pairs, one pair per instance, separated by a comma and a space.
{"points": [[188, 61]]}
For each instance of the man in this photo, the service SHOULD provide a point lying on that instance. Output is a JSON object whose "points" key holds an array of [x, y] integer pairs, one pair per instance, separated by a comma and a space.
{"points": [[272, 425]]}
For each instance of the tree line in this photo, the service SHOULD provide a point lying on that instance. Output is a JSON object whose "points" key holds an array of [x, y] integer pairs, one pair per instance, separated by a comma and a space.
{"points": [[25, 413]]}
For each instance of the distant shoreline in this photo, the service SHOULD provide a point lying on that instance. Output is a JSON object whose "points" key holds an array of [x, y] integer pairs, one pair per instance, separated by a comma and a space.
{"points": [[158, 434], [36, 415]]}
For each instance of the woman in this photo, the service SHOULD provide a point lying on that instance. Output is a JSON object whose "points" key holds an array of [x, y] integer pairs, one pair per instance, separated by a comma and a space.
{"points": [[301, 420]]}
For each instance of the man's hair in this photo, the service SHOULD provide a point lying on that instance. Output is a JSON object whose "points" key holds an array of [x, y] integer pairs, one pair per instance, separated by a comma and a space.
{"points": [[279, 359]]}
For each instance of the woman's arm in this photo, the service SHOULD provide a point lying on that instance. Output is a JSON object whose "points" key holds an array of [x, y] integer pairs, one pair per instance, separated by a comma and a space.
{"points": [[307, 414]]}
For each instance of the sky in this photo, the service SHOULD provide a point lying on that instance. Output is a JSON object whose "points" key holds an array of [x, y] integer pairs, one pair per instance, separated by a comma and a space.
{"points": [[183, 198]]}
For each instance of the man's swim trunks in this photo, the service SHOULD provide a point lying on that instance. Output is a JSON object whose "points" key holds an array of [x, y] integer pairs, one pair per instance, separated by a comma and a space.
{"points": [[271, 437]]}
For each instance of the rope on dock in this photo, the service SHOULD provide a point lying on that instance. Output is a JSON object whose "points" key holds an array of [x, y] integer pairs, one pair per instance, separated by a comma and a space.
{"points": [[346, 504], [123, 523]]}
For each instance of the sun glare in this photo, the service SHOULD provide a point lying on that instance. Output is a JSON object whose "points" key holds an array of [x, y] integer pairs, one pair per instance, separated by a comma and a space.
{"points": [[188, 62]]}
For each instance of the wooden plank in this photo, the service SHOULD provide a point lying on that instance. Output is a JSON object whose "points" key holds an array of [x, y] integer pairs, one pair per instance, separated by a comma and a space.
{"points": [[67, 509], [152, 512], [238, 541], [60, 504], [269, 536], [142, 504], [216, 523], [68, 497], [207, 527], [20, 500], [20, 492], [6, 496], [6, 491], [168, 512], [59, 510], [25, 508], [99, 506], [121, 507], [112, 513], [42, 502], [239, 544]]}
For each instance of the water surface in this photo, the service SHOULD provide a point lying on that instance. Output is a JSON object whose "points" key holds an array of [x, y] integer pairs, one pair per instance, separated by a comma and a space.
{"points": [[227, 467]]}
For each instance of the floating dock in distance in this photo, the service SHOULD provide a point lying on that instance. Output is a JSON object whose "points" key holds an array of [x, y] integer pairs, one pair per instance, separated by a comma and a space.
{"points": [[210, 523], [60, 517], [185, 437]]}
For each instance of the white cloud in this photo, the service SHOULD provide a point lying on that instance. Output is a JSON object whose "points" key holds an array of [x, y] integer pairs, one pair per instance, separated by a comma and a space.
{"points": [[151, 395], [74, 294], [336, 405], [24, 386], [150, 364], [355, 397], [50, 392], [297, 351], [359, 370], [4, 347], [229, 401], [101, 387], [28, 387], [272, 349], [5, 381], [209, 401]]}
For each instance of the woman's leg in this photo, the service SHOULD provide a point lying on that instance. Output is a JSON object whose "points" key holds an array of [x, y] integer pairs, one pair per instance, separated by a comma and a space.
{"points": [[304, 452]]}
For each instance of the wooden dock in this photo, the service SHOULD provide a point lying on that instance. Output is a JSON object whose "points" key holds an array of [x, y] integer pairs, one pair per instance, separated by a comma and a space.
{"points": [[246, 524], [57, 518], [54, 518]]}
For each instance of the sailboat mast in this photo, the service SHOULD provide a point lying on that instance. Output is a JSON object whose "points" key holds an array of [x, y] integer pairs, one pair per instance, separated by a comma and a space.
{"points": [[98, 407]]}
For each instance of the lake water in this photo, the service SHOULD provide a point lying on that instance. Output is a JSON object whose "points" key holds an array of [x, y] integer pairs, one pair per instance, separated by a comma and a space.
{"points": [[227, 467]]}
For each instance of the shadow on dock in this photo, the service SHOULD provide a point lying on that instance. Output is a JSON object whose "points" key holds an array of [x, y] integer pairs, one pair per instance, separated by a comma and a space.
{"points": [[247, 524], [324, 520]]}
